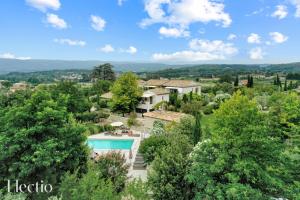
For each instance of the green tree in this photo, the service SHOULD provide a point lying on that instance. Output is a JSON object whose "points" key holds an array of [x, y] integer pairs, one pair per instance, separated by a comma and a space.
{"points": [[284, 120], [197, 132], [285, 88], [89, 186], [236, 81], [136, 190], [185, 126], [185, 98], [191, 96], [152, 146], [166, 178], [191, 107], [100, 86], [226, 78], [126, 93], [104, 72], [41, 141], [242, 160], [76, 101], [112, 166]]}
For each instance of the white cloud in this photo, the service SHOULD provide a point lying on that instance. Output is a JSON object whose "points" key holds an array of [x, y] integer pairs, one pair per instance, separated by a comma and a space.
{"points": [[215, 46], [131, 50], [296, 3], [278, 37], [253, 38], [70, 42], [200, 50], [12, 56], [56, 22], [231, 37], [186, 56], [43, 5], [256, 12], [107, 49], [281, 12], [182, 13], [256, 53], [173, 32], [120, 2], [98, 23]]}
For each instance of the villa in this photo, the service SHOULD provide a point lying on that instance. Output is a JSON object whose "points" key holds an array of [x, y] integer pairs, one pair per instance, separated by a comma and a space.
{"points": [[19, 86], [180, 86], [159, 90], [152, 97]]}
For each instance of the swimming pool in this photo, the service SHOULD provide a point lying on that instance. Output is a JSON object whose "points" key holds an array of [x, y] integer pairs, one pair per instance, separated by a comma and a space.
{"points": [[109, 144]]}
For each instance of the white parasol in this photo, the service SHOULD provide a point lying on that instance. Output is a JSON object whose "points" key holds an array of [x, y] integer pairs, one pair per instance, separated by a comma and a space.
{"points": [[117, 124]]}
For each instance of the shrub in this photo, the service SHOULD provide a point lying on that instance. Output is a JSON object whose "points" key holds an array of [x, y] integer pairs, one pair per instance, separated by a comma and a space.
{"points": [[192, 107], [92, 116], [88, 186], [132, 121], [136, 190], [103, 103], [208, 109], [113, 167], [152, 146], [106, 127], [91, 129], [158, 128]]}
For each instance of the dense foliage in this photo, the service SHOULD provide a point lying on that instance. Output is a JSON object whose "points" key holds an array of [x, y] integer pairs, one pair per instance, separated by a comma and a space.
{"points": [[103, 72], [242, 160], [167, 175], [112, 166], [41, 140], [126, 93]]}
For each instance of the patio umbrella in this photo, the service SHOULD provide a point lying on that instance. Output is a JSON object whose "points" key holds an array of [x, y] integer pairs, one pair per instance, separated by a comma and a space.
{"points": [[117, 124]]}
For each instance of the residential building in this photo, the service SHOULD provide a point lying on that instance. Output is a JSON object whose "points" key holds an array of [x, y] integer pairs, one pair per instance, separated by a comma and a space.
{"points": [[180, 86], [152, 97], [19, 86]]}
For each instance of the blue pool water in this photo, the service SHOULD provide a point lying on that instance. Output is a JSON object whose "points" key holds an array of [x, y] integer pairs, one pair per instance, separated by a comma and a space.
{"points": [[110, 144]]}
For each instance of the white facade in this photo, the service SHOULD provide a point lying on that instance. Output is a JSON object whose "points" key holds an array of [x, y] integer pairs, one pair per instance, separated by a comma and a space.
{"points": [[150, 99], [185, 90]]}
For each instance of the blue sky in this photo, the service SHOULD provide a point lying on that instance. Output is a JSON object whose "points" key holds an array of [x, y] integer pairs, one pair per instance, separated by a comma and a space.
{"points": [[168, 31]]}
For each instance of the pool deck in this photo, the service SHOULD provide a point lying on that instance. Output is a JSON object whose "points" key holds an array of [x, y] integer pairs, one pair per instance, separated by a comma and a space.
{"points": [[135, 146]]}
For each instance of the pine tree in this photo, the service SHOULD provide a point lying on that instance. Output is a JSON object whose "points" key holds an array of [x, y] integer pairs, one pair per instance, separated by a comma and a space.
{"points": [[236, 82], [104, 72]]}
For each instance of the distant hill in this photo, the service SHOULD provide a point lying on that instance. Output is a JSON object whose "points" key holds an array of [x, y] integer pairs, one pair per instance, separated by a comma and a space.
{"points": [[208, 70], [13, 65], [164, 70]]}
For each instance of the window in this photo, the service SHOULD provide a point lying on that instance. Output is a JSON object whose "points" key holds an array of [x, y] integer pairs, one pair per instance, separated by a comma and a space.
{"points": [[151, 100]]}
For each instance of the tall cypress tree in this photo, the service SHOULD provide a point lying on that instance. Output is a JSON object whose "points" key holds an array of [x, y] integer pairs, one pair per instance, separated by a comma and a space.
{"points": [[236, 81], [285, 85], [191, 96], [291, 86], [197, 129]]}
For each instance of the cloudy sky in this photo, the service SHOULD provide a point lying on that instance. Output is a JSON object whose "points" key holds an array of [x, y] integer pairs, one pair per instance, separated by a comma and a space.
{"points": [[169, 31]]}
